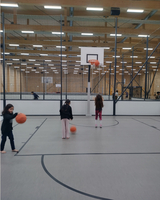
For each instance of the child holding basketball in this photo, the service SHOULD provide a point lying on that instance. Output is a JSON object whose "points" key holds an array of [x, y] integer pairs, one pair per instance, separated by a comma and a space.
{"points": [[98, 110], [7, 128], [66, 115]]}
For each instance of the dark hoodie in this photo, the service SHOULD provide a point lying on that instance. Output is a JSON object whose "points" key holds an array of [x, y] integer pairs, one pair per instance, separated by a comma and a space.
{"points": [[7, 123]]}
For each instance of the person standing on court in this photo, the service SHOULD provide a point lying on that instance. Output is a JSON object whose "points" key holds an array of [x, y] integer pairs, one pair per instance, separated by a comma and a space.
{"points": [[7, 128], [98, 110], [35, 95], [66, 115]]}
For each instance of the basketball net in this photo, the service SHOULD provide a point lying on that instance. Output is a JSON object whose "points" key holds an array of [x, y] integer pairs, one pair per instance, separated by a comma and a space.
{"points": [[94, 63]]}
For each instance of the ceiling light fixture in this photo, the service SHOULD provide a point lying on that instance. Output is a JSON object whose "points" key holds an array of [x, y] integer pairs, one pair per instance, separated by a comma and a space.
{"points": [[135, 10], [115, 35], [58, 33], [27, 31], [94, 9], [86, 33], [52, 7], [8, 5], [14, 45]]}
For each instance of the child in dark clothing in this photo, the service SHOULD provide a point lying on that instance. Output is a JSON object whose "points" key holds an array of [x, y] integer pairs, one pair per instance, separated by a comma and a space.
{"points": [[66, 115], [35, 95], [7, 128], [98, 111]]}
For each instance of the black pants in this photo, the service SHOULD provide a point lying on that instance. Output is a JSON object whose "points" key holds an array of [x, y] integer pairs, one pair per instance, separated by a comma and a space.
{"points": [[4, 138]]}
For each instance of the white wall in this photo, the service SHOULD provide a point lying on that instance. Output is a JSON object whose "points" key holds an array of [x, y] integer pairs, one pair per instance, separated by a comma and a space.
{"points": [[80, 107], [138, 108]]}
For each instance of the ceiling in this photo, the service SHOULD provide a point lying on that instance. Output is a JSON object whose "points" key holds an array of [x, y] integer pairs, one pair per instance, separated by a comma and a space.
{"points": [[73, 19]]}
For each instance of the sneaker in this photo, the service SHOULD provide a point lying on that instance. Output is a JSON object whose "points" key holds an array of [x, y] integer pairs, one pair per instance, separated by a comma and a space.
{"points": [[15, 150]]}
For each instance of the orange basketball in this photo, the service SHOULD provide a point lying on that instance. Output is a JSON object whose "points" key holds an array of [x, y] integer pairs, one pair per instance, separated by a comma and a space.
{"points": [[21, 118], [96, 63], [73, 129]]}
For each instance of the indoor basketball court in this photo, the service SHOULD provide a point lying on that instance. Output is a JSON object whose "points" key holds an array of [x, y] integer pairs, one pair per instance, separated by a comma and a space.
{"points": [[69, 52]]}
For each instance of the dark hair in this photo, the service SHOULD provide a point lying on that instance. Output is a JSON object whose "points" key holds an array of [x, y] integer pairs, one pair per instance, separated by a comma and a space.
{"points": [[32, 92], [8, 106], [67, 101], [98, 101]]}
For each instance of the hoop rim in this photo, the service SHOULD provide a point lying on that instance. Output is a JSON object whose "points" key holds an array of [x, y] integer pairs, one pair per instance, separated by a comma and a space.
{"points": [[92, 61]]}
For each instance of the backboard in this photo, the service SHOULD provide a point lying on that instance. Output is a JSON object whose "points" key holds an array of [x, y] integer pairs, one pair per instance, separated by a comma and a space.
{"points": [[88, 53]]}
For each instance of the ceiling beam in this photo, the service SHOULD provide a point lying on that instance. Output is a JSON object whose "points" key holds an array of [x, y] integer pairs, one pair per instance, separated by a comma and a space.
{"points": [[78, 44], [96, 3], [77, 29]]}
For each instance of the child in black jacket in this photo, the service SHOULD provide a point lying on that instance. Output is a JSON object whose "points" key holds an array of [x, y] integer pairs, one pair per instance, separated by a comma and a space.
{"points": [[66, 115], [7, 128]]}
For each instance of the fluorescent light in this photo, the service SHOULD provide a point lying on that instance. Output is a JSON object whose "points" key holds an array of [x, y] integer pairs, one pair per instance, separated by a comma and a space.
{"points": [[8, 5], [47, 60], [86, 33], [32, 60], [14, 45], [128, 66], [16, 67], [115, 34], [153, 62], [35, 45], [15, 59], [41, 67], [62, 55], [22, 69], [64, 60], [133, 56], [106, 47], [29, 67], [148, 49], [37, 64], [60, 47], [96, 9], [9, 63], [154, 66], [51, 65], [151, 56], [43, 54], [78, 55], [1, 31], [77, 65], [135, 10], [108, 61], [123, 62], [6, 53], [33, 70], [36, 72], [27, 31], [116, 56], [23, 63], [78, 61], [138, 62], [58, 33], [126, 48], [25, 54], [155, 69], [143, 35], [52, 7]]}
